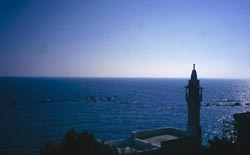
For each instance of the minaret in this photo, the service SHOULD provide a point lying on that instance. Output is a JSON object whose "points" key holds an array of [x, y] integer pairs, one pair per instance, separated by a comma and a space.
{"points": [[194, 98]]}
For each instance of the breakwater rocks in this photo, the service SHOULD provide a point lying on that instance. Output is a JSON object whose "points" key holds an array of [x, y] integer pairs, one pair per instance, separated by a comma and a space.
{"points": [[78, 100], [105, 99], [226, 102]]}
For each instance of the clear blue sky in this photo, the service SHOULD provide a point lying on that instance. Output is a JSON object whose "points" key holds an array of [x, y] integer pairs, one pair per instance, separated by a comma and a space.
{"points": [[125, 38]]}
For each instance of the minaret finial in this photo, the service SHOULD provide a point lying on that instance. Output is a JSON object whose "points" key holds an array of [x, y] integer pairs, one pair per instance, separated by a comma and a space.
{"points": [[193, 66]]}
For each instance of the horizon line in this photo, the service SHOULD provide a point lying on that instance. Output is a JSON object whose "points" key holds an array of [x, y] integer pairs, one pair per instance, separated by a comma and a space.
{"points": [[120, 77]]}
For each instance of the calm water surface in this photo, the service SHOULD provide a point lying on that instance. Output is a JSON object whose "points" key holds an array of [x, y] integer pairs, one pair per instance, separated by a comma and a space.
{"points": [[34, 110]]}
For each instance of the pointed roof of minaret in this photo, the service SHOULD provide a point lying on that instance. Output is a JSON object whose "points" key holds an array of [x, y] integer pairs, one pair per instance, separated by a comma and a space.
{"points": [[194, 74]]}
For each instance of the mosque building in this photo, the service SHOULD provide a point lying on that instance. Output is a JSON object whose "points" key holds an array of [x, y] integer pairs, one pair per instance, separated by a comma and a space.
{"points": [[169, 140]]}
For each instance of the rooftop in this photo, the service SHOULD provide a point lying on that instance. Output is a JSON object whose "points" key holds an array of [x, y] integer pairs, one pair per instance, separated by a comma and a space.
{"points": [[156, 140], [146, 140]]}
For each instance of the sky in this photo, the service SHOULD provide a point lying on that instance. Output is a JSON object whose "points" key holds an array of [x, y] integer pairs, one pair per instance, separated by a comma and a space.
{"points": [[125, 38]]}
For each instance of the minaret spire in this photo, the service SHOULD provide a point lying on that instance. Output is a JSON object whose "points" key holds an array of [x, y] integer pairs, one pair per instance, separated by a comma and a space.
{"points": [[194, 98]]}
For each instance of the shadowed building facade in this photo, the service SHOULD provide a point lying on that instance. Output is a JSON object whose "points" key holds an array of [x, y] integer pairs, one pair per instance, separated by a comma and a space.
{"points": [[169, 141]]}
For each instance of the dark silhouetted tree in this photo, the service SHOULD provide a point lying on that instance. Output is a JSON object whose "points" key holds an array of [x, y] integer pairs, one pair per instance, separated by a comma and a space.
{"points": [[229, 143], [75, 143]]}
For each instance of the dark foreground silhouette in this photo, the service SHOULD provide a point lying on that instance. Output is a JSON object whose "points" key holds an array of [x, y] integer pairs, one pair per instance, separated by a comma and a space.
{"points": [[85, 144], [75, 143], [236, 139]]}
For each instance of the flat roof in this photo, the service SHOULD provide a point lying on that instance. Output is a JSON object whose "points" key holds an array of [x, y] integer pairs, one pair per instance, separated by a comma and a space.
{"points": [[156, 140]]}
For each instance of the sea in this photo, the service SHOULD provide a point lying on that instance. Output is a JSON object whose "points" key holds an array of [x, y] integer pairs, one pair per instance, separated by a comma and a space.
{"points": [[36, 110]]}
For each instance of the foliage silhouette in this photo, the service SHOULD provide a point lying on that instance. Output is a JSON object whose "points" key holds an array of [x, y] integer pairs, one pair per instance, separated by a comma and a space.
{"points": [[229, 143], [75, 143]]}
